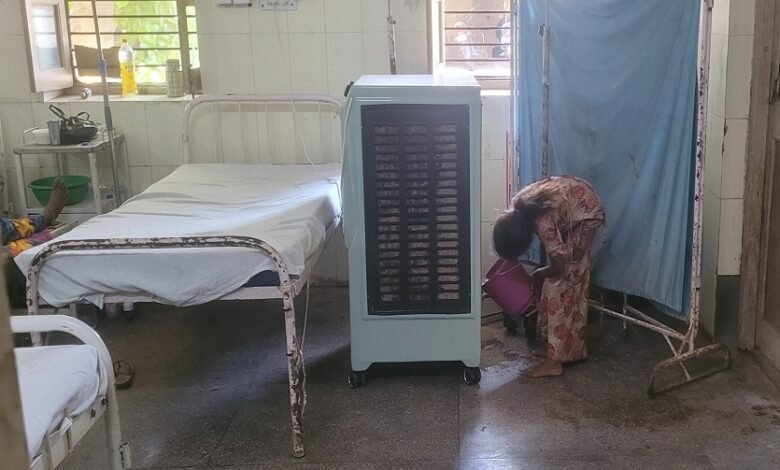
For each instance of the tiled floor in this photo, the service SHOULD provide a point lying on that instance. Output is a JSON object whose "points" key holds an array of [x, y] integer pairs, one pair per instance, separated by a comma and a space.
{"points": [[210, 392]]}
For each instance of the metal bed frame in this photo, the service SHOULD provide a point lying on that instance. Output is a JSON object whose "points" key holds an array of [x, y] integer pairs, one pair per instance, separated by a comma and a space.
{"points": [[58, 444], [289, 286]]}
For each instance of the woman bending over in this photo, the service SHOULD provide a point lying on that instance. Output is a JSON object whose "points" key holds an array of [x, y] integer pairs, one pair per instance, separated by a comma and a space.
{"points": [[565, 212]]}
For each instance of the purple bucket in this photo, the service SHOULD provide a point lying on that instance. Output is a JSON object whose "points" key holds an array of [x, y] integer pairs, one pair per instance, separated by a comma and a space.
{"points": [[510, 286]]}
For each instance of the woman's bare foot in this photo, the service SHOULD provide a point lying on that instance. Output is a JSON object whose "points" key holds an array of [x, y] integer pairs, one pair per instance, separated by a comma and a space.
{"points": [[59, 196], [546, 368]]}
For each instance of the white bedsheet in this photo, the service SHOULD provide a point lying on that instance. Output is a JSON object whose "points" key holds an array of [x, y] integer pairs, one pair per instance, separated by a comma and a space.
{"points": [[288, 206], [56, 382]]}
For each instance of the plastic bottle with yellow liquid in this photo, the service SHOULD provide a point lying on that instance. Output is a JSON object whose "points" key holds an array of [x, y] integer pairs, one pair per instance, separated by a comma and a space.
{"points": [[127, 69]]}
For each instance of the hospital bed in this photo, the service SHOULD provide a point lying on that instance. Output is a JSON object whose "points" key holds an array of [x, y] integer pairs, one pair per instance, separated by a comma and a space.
{"points": [[65, 390], [207, 232]]}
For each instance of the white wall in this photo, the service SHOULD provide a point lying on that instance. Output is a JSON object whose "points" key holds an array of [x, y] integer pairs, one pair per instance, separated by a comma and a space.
{"points": [[326, 43], [319, 48], [724, 171]]}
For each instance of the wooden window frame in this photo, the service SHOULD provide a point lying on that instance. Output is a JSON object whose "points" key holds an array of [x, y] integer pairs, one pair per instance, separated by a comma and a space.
{"points": [[52, 79]]}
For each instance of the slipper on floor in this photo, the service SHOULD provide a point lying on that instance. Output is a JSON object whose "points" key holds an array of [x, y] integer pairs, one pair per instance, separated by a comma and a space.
{"points": [[123, 374]]}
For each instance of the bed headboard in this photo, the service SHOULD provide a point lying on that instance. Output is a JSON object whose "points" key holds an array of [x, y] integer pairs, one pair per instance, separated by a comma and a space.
{"points": [[257, 128]]}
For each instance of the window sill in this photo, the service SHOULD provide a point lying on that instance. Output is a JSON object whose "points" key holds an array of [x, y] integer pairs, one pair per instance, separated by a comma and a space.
{"points": [[120, 99]]}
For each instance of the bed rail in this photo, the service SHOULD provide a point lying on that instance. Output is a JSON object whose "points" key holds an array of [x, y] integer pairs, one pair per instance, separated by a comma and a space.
{"points": [[295, 368], [119, 457], [262, 99], [288, 287]]}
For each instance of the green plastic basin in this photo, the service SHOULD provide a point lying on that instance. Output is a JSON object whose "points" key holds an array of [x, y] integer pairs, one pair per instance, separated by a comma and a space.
{"points": [[78, 188]]}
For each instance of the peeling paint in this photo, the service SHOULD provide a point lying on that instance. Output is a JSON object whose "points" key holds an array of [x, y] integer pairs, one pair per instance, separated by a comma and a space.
{"points": [[295, 365]]}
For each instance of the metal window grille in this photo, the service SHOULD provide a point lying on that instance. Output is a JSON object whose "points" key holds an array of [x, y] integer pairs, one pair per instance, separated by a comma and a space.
{"points": [[157, 30], [475, 35]]}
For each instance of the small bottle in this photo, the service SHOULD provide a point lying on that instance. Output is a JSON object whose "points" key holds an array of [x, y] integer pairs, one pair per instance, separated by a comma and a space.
{"points": [[127, 69]]}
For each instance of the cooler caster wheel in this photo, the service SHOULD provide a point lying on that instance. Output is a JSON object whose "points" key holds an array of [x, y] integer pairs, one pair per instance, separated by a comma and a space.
{"points": [[510, 325], [472, 375], [357, 379]]}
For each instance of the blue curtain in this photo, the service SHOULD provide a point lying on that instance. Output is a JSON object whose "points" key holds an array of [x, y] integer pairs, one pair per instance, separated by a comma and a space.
{"points": [[622, 115]]}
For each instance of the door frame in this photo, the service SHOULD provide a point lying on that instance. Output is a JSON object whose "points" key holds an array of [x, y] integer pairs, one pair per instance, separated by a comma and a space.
{"points": [[765, 89]]}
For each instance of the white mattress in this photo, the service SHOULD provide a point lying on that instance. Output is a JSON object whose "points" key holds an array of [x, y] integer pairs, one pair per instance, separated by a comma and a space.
{"points": [[56, 382], [288, 206]]}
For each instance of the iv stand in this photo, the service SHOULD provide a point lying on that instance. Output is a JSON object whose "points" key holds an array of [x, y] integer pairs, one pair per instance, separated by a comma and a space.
{"points": [[544, 31], [103, 70], [391, 38]]}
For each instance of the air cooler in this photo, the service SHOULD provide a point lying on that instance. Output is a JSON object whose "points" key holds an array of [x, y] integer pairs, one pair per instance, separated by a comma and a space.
{"points": [[411, 220]]}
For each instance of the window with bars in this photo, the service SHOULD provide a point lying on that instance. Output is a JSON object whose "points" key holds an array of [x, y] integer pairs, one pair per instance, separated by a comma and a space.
{"points": [[472, 35], [157, 30]]}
